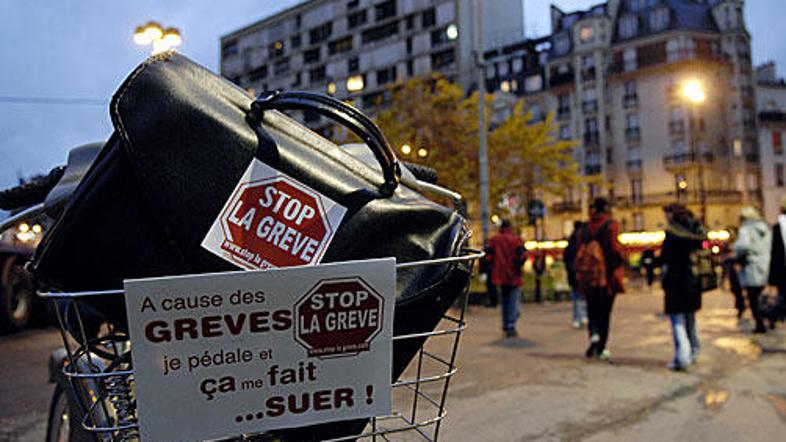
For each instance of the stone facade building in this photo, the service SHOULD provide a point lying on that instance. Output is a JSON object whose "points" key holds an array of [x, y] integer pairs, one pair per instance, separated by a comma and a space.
{"points": [[613, 75]]}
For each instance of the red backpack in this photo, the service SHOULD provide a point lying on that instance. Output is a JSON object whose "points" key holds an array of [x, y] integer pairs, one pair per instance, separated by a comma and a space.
{"points": [[590, 262]]}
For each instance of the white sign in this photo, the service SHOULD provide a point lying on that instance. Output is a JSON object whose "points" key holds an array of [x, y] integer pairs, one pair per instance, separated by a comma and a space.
{"points": [[224, 354], [273, 220]]}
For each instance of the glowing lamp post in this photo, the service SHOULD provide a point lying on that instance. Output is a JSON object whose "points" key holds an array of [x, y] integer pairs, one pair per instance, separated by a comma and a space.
{"points": [[693, 92], [155, 35]]}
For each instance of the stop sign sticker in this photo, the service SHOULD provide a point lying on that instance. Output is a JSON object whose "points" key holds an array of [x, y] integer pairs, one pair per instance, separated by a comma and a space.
{"points": [[338, 317], [273, 220]]}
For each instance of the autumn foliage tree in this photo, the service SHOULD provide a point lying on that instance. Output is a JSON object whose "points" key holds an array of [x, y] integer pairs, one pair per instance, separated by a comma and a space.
{"points": [[525, 157]]}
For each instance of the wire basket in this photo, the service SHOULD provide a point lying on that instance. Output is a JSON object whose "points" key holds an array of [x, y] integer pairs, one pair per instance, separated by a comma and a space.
{"points": [[100, 374]]}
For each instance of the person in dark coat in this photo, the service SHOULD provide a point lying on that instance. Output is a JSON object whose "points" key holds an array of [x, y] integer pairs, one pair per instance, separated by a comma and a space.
{"points": [[648, 262], [491, 290], [601, 300], [777, 276], [506, 253], [579, 303], [681, 285]]}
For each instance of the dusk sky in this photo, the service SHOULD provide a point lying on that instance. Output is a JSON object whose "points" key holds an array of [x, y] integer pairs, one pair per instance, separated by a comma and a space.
{"points": [[84, 49]]}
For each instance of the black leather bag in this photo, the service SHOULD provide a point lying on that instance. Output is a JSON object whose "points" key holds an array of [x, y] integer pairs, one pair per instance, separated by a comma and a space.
{"points": [[183, 138]]}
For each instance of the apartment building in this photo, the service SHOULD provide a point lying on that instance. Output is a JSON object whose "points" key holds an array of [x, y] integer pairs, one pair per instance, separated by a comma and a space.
{"points": [[771, 102], [613, 75], [354, 49]]}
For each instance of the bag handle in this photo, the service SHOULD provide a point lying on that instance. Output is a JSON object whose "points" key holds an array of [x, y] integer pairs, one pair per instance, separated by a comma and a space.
{"points": [[341, 113]]}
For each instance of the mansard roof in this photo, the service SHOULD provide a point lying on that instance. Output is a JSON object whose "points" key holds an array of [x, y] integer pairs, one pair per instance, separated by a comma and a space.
{"points": [[695, 15]]}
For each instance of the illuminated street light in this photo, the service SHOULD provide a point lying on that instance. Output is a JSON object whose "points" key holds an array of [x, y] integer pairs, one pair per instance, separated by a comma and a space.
{"points": [[451, 31], [422, 153], [154, 34], [693, 91], [683, 185], [355, 83], [406, 149]]}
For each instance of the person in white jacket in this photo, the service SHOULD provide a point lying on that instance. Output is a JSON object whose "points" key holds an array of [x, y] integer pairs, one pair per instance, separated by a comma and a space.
{"points": [[752, 251]]}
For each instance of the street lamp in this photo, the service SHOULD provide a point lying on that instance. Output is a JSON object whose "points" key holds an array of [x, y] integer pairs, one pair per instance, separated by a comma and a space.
{"points": [[693, 92], [154, 34]]}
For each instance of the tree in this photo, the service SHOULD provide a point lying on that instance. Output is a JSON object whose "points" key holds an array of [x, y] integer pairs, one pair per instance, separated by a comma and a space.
{"points": [[527, 160], [525, 157], [433, 114]]}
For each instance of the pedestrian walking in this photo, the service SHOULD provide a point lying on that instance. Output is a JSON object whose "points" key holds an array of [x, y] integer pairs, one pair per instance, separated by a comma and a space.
{"points": [[681, 283], [599, 273], [648, 262], [579, 303], [777, 273], [506, 253], [752, 250]]}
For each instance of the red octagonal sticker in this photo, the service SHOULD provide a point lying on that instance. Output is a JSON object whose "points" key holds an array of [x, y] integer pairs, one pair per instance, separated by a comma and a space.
{"points": [[273, 220], [338, 317]]}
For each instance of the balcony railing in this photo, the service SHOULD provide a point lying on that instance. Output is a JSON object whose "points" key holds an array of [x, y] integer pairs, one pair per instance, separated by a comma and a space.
{"points": [[689, 197], [685, 160], [566, 207], [633, 134]]}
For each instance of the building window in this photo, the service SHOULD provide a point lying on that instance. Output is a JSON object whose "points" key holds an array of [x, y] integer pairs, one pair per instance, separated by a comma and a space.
{"points": [[311, 55], [629, 60], [679, 148], [443, 59], [275, 49], [563, 106], [629, 26], [561, 43], [409, 45], [632, 131], [631, 95], [588, 62], [356, 19], [586, 34], [518, 65], [438, 37], [659, 19], [429, 18], [281, 67], [638, 221], [353, 4], [387, 75], [353, 65], [779, 179], [385, 10], [356, 83], [320, 33], [257, 74], [410, 22], [341, 45], [564, 133], [298, 80], [229, 48], [380, 32], [317, 75], [295, 41], [777, 143], [677, 122]]}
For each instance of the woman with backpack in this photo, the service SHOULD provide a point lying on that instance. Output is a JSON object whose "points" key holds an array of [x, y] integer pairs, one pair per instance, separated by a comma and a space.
{"points": [[599, 273], [752, 251], [681, 284]]}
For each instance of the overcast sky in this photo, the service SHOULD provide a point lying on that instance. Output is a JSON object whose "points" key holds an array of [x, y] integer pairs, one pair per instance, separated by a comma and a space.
{"points": [[83, 49]]}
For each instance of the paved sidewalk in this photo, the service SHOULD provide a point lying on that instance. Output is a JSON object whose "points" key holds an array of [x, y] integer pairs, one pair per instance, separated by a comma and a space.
{"points": [[540, 387]]}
